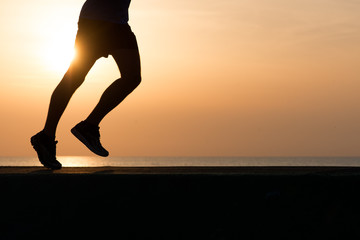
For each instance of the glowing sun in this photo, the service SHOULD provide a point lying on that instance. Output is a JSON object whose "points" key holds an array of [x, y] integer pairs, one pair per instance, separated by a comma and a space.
{"points": [[59, 51]]}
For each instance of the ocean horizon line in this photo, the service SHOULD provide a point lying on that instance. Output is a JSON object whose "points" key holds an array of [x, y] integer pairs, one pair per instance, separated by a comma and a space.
{"points": [[187, 161]]}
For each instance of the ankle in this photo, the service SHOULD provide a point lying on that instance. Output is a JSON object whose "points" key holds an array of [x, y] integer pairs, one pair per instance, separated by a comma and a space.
{"points": [[91, 123], [50, 135]]}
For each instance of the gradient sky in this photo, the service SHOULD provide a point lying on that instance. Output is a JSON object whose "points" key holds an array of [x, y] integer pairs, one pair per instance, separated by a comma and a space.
{"points": [[220, 78]]}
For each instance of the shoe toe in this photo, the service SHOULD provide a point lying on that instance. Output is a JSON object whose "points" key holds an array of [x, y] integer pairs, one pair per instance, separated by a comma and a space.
{"points": [[102, 152]]}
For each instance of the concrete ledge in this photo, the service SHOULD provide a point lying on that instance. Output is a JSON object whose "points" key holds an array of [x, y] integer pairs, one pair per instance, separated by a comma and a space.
{"points": [[180, 203]]}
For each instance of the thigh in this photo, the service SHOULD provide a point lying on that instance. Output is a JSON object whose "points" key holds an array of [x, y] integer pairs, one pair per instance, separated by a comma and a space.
{"points": [[86, 53], [81, 64], [128, 61]]}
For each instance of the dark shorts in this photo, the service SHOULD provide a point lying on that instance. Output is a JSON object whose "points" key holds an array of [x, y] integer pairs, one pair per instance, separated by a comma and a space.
{"points": [[101, 38]]}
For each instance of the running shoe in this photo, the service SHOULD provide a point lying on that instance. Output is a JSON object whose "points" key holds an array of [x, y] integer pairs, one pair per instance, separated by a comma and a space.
{"points": [[45, 148], [89, 135]]}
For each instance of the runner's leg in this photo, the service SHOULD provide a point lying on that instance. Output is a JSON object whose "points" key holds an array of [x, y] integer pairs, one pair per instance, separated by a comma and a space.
{"points": [[128, 61], [72, 79]]}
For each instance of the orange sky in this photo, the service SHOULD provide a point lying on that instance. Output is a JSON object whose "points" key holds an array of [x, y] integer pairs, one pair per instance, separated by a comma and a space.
{"points": [[220, 78]]}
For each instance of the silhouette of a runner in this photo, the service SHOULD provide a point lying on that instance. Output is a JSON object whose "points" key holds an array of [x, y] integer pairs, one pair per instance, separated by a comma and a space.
{"points": [[102, 30]]}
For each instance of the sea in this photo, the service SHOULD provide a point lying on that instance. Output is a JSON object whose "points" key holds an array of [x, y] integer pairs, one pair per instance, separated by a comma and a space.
{"points": [[92, 161]]}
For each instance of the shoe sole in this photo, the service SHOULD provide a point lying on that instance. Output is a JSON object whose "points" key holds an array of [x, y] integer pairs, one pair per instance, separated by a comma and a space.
{"points": [[82, 139], [35, 143]]}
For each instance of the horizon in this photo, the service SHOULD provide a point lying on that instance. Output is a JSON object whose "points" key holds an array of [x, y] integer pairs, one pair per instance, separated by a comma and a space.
{"points": [[251, 78], [177, 161]]}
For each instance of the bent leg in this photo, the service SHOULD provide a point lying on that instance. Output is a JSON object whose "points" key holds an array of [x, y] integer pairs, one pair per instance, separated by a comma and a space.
{"points": [[72, 79], [128, 61]]}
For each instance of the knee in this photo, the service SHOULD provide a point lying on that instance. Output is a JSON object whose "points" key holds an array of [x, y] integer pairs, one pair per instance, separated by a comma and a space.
{"points": [[134, 80], [137, 80], [73, 81]]}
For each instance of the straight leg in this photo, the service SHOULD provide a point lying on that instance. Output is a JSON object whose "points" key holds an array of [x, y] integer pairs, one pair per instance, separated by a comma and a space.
{"points": [[72, 79]]}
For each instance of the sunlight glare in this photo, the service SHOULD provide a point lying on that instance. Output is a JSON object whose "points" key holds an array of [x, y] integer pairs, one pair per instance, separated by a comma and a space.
{"points": [[59, 52], [78, 161]]}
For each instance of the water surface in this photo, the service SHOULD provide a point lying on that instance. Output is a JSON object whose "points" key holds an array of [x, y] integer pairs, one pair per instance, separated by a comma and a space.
{"points": [[86, 161]]}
